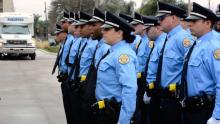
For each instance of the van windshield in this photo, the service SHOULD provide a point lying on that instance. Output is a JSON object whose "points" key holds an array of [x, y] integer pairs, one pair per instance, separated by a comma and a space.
{"points": [[15, 29]]}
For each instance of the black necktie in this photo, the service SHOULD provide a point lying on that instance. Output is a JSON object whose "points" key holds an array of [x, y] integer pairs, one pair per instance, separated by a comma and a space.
{"points": [[184, 92], [159, 69], [148, 60], [138, 47]]}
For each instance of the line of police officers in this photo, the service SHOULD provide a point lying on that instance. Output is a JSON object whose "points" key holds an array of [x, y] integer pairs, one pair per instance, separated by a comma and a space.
{"points": [[141, 69]]}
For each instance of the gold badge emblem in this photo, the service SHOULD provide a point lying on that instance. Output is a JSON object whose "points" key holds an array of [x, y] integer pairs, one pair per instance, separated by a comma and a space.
{"points": [[186, 42], [217, 54], [123, 59], [151, 44]]}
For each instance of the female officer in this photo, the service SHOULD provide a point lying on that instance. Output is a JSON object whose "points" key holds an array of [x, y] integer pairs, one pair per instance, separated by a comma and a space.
{"points": [[116, 77]]}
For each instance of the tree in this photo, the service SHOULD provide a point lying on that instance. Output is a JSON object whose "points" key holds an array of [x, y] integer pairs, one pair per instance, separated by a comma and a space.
{"points": [[116, 6], [150, 6], [36, 23], [59, 6]]}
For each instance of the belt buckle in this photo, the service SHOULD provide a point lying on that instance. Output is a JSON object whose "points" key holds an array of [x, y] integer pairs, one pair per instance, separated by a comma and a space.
{"points": [[139, 75], [183, 103]]}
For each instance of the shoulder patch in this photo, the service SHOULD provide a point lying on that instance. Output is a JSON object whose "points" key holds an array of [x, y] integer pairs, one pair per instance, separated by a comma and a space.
{"points": [[217, 54], [123, 59], [186, 42], [151, 44]]}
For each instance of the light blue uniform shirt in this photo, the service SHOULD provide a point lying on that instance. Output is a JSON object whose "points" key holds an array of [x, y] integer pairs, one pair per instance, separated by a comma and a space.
{"points": [[73, 51], [82, 42], [216, 34], [101, 50], [154, 58], [203, 74], [178, 43], [143, 53], [136, 41], [87, 56], [63, 65], [117, 78]]}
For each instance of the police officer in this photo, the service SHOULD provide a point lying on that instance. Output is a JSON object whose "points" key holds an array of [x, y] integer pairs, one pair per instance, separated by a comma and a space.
{"points": [[73, 98], [71, 20], [170, 62], [201, 70], [88, 95], [142, 51], [89, 44], [63, 67], [82, 60], [60, 35], [129, 19], [116, 81], [217, 24], [75, 30], [157, 38], [66, 24]]}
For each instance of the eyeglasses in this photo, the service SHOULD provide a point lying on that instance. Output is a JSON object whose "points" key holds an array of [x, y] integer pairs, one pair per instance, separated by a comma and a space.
{"points": [[194, 21], [161, 18], [63, 22]]}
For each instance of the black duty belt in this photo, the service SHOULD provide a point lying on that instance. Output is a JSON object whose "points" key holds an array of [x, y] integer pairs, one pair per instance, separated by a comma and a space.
{"points": [[198, 102], [172, 91]]}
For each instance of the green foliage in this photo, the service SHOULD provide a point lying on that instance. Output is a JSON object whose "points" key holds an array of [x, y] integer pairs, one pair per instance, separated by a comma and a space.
{"points": [[58, 6], [40, 27], [150, 6]]}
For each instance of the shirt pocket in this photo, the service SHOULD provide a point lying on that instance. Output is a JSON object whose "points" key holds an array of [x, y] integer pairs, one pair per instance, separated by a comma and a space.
{"points": [[154, 58], [104, 66], [173, 57], [194, 67], [107, 73], [86, 55], [195, 63]]}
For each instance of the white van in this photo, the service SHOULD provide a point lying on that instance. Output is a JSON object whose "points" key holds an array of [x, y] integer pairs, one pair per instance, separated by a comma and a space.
{"points": [[16, 32]]}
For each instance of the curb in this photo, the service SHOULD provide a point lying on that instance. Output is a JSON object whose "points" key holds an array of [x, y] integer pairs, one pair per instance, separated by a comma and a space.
{"points": [[46, 51]]}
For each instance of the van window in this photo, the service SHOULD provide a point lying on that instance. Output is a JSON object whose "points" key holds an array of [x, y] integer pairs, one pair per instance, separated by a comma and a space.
{"points": [[15, 29]]}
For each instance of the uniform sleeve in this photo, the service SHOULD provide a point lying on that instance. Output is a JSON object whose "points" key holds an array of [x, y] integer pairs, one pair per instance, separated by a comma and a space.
{"points": [[125, 69], [214, 66], [184, 43]]}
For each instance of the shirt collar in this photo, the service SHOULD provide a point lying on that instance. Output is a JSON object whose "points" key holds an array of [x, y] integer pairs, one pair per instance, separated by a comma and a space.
{"points": [[174, 31], [144, 36], [117, 45], [161, 36], [205, 37]]}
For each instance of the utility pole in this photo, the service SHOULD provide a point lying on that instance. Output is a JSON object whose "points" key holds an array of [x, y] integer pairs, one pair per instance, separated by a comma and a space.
{"points": [[46, 21], [209, 4], [189, 6], [80, 4]]}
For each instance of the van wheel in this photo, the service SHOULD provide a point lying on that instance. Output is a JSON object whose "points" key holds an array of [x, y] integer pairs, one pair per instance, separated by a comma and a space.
{"points": [[33, 56]]}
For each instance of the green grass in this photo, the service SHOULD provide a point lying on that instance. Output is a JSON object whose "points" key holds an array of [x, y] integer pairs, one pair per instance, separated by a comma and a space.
{"points": [[53, 49], [45, 46]]}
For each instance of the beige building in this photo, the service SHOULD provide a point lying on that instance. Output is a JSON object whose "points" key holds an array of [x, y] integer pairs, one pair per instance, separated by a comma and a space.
{"points": [[6, 6]]}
